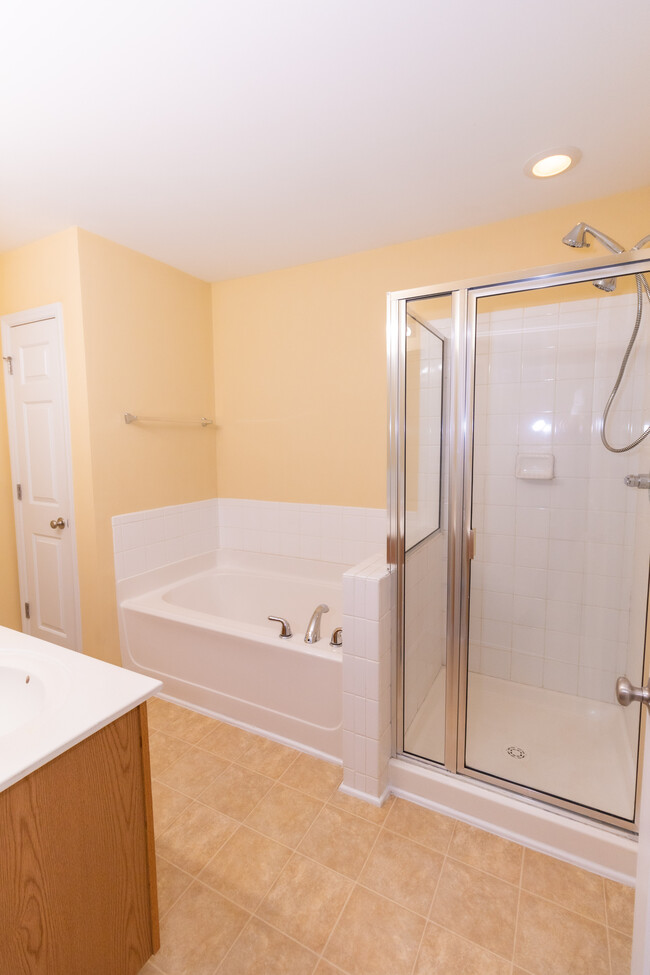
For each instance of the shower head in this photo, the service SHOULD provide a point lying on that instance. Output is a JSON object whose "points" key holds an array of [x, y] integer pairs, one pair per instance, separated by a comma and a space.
{"points": [[605, 284], [576, 238]]}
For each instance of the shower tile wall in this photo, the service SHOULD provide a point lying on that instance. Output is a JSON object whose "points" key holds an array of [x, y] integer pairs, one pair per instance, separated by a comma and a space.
{"points": [[557, 578]]}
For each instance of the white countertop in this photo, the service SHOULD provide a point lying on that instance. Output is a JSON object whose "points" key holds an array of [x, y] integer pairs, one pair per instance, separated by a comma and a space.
{"points": [[52, 698]]}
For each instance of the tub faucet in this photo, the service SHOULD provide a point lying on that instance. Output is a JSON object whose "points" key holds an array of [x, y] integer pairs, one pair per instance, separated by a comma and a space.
{"points": [[313, 630]]}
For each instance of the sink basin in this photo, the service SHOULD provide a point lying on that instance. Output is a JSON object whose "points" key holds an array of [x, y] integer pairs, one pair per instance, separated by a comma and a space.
{"points": [[31, 686]]}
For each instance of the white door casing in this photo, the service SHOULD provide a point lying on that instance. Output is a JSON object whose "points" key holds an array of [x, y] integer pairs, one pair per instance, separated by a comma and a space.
{"points": [[39, 437]]}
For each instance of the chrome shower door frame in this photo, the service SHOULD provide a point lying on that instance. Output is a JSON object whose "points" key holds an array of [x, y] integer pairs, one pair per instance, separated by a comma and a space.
{"points": [[462, 352]]}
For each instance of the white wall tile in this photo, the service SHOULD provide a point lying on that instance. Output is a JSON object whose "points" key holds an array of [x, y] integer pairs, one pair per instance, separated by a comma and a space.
{"points": [[559, 676], [528, 639], [562, 646], [495, 662], [525, 669]]}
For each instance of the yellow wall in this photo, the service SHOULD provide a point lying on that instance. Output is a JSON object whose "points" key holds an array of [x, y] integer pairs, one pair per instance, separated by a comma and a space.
{"points": [[138, 337], [148, 341], [300, 362]]}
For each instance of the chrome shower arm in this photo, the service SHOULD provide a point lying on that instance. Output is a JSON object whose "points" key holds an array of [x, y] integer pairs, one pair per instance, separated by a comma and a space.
{"points": [[576, 238]]}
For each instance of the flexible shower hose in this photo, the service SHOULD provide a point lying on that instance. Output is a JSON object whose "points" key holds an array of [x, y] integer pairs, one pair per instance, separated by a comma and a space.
{"points": [[641, 286]]}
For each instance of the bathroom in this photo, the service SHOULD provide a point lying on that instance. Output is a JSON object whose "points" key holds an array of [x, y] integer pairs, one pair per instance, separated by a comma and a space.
{"points": [[296, 387]]}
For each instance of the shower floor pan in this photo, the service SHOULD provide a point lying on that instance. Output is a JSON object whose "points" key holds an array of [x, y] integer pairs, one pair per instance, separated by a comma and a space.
{"points": [[566, 746]]}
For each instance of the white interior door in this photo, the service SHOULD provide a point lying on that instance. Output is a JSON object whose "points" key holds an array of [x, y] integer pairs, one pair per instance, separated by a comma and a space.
{"points": [[37, 410]]}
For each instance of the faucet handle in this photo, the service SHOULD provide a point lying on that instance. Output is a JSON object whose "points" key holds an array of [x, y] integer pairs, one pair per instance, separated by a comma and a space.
{"points": [[285, 627], [337, 637]]}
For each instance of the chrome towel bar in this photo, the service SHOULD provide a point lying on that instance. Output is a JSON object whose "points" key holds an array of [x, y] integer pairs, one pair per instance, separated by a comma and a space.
{"points": [[133, 418]]}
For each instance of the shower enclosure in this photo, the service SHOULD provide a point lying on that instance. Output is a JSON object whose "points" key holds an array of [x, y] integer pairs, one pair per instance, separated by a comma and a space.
{"points": [[521, 552]]}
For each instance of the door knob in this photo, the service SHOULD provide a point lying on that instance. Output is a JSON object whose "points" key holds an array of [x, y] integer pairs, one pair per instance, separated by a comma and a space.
{"points": [[59, 523], [626, 693]]}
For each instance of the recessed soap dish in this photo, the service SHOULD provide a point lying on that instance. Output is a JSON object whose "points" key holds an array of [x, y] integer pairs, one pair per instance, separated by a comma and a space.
{"points": [[539, 467]]}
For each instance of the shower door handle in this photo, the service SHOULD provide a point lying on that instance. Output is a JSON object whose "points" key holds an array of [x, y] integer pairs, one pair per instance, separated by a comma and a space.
{"points": [[626, 693], [471, 544]]}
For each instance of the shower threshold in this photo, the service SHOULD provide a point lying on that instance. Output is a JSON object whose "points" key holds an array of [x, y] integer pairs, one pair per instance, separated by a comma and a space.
{"points": [[561, 745]]}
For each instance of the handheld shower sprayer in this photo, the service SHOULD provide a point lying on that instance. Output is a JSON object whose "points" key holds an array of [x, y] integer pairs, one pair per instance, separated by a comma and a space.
{"points": [[576, 238]]}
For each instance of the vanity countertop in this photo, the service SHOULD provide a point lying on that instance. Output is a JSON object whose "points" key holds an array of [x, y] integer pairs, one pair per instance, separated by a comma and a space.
{"points": [[52, 698]]}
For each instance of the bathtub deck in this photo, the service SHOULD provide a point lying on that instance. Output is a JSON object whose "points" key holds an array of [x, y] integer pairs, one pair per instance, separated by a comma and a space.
{"points": [[265, 867]]}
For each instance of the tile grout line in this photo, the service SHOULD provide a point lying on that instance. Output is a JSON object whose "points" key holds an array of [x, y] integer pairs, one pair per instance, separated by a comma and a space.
{"points": [[192, 799], [355, 884], [428, 920], [189, 875], [609, 940], [244, 926], [519, 892], [609, 948]]}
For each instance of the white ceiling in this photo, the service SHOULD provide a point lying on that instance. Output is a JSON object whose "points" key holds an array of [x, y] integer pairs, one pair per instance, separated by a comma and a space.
{"points": [[227, 138]]}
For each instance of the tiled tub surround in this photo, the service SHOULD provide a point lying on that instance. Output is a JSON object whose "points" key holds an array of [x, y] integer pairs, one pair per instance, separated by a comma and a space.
{"points": [[265, 867], [146, 540]]}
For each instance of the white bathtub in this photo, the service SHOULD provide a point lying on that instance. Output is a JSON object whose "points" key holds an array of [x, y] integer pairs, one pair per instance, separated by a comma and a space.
{"points": [[201, 627]]}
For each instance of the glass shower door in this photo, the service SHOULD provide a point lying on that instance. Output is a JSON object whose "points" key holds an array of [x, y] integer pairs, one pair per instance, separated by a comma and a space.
{"points": [[425, 530], [559, 582]]}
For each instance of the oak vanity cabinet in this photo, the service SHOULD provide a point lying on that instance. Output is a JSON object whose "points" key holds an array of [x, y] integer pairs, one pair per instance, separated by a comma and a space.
{"points": [[77, 866]]}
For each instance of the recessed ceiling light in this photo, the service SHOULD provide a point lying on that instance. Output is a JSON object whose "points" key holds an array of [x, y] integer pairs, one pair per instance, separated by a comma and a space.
{"points": [[552, 162]]}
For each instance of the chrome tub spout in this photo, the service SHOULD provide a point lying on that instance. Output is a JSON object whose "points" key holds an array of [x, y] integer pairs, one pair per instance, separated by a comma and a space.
{"points": [[313, 630]]}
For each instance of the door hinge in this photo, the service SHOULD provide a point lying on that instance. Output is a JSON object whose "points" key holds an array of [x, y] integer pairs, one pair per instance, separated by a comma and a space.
{"points": [[9, 359], [19, 492], [27, 616]]}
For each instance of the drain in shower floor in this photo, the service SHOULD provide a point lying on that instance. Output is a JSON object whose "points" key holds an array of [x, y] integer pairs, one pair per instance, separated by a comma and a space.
{"points": [[515, 752]]}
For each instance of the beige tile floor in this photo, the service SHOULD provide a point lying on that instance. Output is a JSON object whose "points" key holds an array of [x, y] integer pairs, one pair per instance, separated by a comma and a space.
{"points": [[265, 868]]}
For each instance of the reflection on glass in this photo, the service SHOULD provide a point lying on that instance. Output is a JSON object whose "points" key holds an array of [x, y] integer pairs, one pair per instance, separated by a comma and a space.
{"points": [[424, 372], [425, 569], [559, 583]]}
